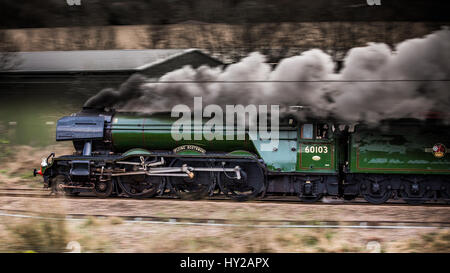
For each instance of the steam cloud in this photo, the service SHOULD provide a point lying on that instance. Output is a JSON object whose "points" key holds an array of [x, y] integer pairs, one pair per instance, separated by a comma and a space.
{"points": [[343, 96]]}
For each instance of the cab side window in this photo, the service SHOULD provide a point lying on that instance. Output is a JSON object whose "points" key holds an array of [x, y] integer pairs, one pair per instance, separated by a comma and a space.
{"points": [[307, 131], [322, 131]]}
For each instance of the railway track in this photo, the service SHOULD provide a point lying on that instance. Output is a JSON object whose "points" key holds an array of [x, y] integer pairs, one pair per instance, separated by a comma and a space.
{"points": [[231, 223], [43, 193]]}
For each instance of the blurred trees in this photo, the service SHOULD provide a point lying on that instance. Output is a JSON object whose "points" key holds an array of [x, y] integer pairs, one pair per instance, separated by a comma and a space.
{"points": [[228, 42], [229, 29], [8, 57], [55, 13]]}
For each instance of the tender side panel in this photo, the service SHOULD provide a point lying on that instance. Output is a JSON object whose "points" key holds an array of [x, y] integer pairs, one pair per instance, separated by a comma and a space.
{"points": [[403, 149]]}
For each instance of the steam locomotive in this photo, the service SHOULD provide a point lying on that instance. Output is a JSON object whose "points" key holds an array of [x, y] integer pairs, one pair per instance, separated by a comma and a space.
{"points": [[118, 153]]}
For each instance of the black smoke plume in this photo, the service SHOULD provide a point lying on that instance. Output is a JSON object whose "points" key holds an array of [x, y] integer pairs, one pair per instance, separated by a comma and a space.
{"points": [[376, 83]]}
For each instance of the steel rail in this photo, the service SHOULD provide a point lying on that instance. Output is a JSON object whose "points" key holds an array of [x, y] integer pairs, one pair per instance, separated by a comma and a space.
{"points": [[218, 198], [236, 223]]}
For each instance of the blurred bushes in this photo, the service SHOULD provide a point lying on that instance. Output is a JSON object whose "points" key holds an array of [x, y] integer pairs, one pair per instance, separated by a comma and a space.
{"points": [[39, 235]]}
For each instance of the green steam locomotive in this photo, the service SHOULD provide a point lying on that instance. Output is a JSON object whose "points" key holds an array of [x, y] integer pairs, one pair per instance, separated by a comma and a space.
{"points": [[135, 155]]}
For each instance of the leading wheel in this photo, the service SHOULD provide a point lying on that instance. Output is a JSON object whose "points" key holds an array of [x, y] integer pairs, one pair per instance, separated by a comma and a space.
{"points": [[103, 189], [58, 183], [250, 184]]}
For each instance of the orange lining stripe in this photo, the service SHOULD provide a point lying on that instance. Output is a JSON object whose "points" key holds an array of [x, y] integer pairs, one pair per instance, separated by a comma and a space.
{"points": [[392, 169]]}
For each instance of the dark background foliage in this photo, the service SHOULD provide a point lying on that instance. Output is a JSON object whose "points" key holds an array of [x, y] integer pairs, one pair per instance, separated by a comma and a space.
{"points": [[57, 13]]}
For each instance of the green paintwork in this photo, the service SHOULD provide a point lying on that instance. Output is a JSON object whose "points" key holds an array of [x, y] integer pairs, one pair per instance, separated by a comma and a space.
{"points": [[135, 152], [324, 153], [403, 149], [241, 153], [283, 158], [153, 132]]}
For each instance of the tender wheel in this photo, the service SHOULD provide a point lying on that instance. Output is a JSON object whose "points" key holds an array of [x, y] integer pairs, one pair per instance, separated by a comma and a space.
{"points": [[414, 192], [376, 192], [377, 198], [251, 184], [310, 199], [191, 188], [414, 201], [103, 189], [349, 197], [445, 194]]}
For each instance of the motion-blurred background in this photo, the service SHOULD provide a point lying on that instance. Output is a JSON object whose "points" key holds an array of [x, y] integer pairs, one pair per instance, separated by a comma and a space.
{"points": [[55, 54]]}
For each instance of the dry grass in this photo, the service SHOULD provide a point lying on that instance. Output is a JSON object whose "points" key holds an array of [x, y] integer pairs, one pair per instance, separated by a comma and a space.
{"points": [[35, 235], [17, 163], [432, 242], [115, 221], [115, 235], [164, 238]]}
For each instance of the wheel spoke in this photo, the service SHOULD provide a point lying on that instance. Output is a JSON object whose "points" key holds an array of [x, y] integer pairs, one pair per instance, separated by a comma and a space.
{"points": [[191, 188], [103, 189], [248, 187], [377, 198], [137, 186], [414, 192], [376, 191], [58, 183]]}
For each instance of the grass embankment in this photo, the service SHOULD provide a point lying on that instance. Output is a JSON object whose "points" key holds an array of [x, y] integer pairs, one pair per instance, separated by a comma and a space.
{"points": [[18, 161], [112, 234]]}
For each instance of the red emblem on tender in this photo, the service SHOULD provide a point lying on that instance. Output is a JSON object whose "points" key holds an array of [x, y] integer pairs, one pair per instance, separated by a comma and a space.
{"points": [[439, 150]]}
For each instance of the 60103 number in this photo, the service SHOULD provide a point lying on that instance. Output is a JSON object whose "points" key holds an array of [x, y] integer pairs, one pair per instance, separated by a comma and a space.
{"points": [[316, 149]]}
